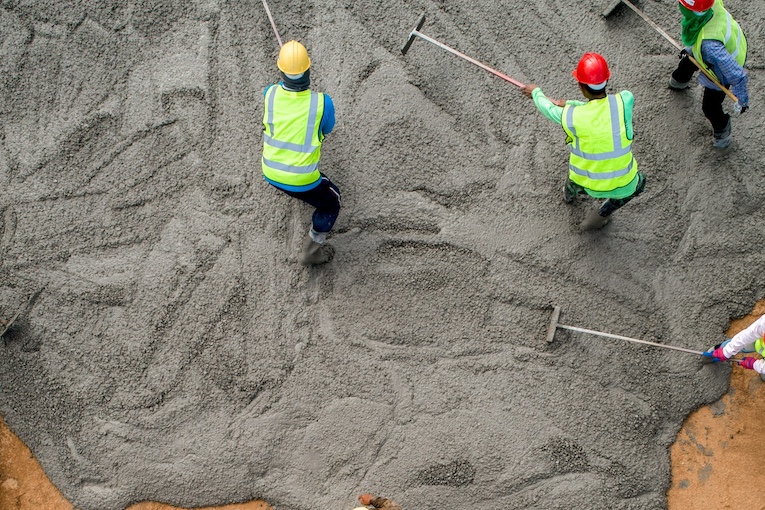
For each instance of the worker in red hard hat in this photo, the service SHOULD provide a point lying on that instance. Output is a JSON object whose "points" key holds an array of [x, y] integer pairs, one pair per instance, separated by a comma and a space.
{"points": [[718, 44], [599, 136]]}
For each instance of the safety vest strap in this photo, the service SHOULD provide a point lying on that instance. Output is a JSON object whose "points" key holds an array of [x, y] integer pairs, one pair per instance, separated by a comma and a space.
{"points": [[305, 169], [603, 176]]}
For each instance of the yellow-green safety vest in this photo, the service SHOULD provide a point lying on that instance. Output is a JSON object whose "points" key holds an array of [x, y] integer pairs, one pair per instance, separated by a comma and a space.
{"points": [[722, 27], [291, 138], [600, 153], [759, 346]]}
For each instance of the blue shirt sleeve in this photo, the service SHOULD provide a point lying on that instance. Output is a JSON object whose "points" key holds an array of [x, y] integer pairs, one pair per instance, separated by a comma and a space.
{"points": [[327, 123], [727, 70]]}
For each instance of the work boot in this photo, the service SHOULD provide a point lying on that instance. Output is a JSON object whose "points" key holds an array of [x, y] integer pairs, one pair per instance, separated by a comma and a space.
{"points": [[594, 221], [315, 253], [677, 85], [568, 196], [722, 139]]}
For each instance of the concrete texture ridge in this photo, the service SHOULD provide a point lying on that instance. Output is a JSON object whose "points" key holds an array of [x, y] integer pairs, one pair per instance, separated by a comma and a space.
{"points": [[179, 352]]}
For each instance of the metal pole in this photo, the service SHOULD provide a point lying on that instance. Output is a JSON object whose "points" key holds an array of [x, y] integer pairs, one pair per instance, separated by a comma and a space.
{"points": [[273, 25], [619, 337]]}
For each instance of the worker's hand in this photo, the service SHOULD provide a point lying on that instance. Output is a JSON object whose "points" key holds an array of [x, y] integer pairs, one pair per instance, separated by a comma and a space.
{"points": [[559, 102], [366, 499], [747, 363], [740, 109], [716, 354], [685, 52], [528, 89]]}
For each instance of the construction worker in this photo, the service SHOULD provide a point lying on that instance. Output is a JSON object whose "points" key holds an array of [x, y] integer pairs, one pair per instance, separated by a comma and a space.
{"points": [[748, 340], [599, 135], [377, 502], [295, 121], [717, 43]]}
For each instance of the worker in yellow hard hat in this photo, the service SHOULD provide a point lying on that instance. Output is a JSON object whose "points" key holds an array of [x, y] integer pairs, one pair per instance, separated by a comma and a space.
{"points": [[295, 122]]}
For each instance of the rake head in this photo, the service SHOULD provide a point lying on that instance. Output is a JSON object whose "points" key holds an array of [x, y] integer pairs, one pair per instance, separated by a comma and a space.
{"points": [[413, 34]]}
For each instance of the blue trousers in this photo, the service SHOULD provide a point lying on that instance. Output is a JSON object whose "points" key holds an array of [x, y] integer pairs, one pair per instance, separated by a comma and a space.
{"points": [[325, 198]]}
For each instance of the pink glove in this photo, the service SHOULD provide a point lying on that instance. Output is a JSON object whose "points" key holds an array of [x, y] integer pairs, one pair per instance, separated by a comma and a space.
{"points": [[747, 363], [718, 354]]}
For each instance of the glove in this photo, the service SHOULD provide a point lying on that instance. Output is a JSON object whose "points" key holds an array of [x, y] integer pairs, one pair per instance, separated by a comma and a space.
{"points": [[747, 363], [685, 52], [366, 499], [716, 355], [739, 109]]}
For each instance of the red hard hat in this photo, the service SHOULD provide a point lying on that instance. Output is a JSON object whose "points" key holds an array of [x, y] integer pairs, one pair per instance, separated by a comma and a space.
{"points": [[592, 69], [698, 5]]}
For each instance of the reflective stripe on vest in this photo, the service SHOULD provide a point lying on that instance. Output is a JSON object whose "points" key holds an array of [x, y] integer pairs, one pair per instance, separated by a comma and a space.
{"points": [[722, 27], [601, 154], [759, 346], [291, 144]]}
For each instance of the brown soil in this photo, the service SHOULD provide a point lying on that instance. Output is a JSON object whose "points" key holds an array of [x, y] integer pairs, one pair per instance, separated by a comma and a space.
{"points": [[717, 456], [715, 460]]}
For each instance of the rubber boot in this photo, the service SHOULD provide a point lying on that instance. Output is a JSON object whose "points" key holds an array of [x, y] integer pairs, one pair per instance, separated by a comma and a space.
{"points": [[568, 195], [721, 139], [676, 85], [315, 253], [594, 221]]}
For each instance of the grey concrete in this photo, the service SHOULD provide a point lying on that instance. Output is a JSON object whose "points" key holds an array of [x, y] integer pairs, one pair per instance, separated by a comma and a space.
{"points": [[180, 353]]}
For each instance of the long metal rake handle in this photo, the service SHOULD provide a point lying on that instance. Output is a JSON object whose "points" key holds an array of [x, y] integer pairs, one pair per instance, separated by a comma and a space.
{"points": [[679, 47], [273, 25], [620, 337], [469, 59]]}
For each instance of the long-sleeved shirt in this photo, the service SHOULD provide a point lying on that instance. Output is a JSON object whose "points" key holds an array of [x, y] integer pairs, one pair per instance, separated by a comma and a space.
{"points": [[727, 70], [745, 340]]}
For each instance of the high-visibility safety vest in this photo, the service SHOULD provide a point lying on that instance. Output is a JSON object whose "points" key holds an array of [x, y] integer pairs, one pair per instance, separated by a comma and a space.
{"points": [[759, 346], [291, 139], [722, 27], [601, 154]]}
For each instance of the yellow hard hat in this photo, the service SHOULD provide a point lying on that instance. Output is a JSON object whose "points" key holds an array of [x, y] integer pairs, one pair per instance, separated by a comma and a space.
{"points": [[293, 58]]}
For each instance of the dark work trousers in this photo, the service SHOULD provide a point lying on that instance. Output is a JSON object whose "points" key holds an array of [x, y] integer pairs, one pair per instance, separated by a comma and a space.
{"points": [[612, 204], [712, 103], [325, 198]]}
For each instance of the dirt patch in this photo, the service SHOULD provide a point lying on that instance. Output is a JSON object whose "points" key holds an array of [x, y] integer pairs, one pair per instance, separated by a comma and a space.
{"points": [[717, 458]]}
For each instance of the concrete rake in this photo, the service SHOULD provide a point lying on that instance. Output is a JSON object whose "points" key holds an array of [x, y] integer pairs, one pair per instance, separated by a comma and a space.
{"points": [[554, 325]]}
